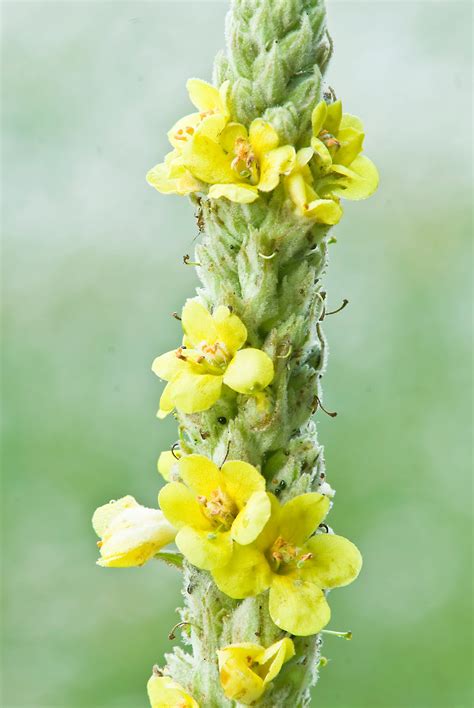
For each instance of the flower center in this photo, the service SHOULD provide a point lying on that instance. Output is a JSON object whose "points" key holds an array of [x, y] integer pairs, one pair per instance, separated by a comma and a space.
{"points": [[329, 140], [245, 163], [213, 357], [219, 508], [285, 556]]}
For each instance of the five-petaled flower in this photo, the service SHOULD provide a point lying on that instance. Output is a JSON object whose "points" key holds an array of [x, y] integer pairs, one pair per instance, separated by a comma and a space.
{"points": [[130, 533], [296, 565], [339, 168], [163, 692], [247, 669], [211, 355], [239, 163], [213, 508]]}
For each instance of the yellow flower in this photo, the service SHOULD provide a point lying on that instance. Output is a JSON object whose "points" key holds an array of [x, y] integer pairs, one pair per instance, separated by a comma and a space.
{"points": [[337, 141], [214, 507], [130, 534], [163, 692], [238, 164], [295, 564], [211, 355], [246, 669], [299, 187], [167, 461], [172, 176]]}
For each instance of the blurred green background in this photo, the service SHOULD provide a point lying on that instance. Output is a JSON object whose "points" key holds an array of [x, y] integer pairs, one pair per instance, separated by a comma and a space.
{"points": [[92, 267]]}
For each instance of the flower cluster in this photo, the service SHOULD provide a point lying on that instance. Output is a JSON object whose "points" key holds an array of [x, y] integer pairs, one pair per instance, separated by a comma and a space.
{"points": [[215, 156], [222, 519]]}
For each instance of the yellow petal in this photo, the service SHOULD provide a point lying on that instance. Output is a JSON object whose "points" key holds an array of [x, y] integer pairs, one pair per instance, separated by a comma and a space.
{"points": [[301, 516], [248, 573], [207, 161], [337, 562], [333, 117], [159, 178], [230, 329], [163, 692], [166, 402], [105, 514], [206, 549], [241, 480], [182, 131], [172, 178], [303, 156], [200, 474], [275, 656], [350, 121], [198, 324], [250, 522], [231, 133], [191, 392], [322, 156], [296, 188], [298, 606], [166, 461], [250, 371], [271, 530], [179, 505], [358, 181], [318, 117], [239, 193], [204, 96], [263, 137], [211, 126], [168, 365], [134, 537], [351, 142], [273, 164], [238, 681], [324, 211]]}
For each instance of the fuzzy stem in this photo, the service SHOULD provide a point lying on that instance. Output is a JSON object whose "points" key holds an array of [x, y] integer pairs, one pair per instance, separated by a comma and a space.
{"points": [[266, 264]]}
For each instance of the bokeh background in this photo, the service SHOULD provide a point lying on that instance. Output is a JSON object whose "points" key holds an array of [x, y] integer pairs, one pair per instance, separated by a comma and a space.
{"points": [[92, 267]]}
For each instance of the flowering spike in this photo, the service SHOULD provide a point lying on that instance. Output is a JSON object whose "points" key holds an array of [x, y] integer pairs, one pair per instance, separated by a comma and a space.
{"points": [[268, 157]]}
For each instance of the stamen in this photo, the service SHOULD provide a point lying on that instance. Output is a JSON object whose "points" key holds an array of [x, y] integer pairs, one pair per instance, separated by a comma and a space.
{"points": [[172, 634], [341, 635], [268, 258], [318, 404], [339, 309], [187, 261]]}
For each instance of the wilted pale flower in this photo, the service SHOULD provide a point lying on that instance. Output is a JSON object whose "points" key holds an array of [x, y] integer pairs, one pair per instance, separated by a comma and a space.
{"points": [[130, 534]]}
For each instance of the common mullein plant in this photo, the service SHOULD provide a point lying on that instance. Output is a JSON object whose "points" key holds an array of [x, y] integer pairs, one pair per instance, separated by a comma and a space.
{"points": [[266, 158]]}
